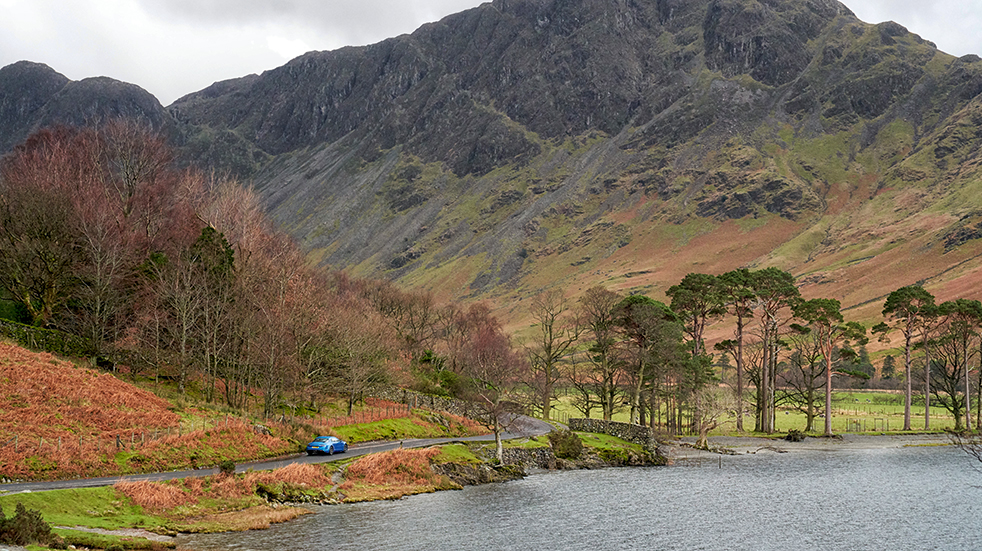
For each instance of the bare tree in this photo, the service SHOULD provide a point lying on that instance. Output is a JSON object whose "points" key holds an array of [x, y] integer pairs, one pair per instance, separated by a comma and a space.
{"points": [[494, 371], [554, 340], [804, 379], [579, 372], [597, 314], [40, 250], [717, 405], [947, 377], [358, 352], [954, 350], [176, 285]]}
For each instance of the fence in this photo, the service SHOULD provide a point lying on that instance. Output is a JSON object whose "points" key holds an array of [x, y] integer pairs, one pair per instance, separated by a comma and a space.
{"points": [[879, 424]]}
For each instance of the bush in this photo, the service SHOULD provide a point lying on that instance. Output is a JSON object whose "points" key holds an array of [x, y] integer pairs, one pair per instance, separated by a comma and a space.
{"points": [[565, 444], [227, 467], [795, 435], [25, 527]]}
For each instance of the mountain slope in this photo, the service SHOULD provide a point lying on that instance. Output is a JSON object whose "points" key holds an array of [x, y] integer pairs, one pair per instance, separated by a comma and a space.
{"points": [[525, 144], [33, 95]]}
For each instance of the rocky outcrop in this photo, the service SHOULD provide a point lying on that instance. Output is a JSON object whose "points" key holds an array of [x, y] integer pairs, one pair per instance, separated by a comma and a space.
{"points": [[33, 95], [25, 88], [472, 475]]}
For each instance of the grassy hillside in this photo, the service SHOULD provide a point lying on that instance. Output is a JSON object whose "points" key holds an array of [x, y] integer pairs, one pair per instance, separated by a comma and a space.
{"points": [[59, 420]]}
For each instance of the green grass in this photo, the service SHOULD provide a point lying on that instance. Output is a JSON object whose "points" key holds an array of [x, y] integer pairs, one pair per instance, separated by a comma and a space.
{"points": [[89, 540], [456, 453], [93, 507], [395, 429], [529, 443], [606, 442], [874, 412]]}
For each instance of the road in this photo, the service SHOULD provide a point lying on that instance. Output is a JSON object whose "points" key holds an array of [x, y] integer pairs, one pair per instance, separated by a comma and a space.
{"points": [[521, 427]]}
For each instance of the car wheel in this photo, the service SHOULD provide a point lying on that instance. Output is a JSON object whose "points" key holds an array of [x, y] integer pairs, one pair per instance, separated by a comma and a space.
{"points": [[330, 450], [310, 453], [345, 447]]}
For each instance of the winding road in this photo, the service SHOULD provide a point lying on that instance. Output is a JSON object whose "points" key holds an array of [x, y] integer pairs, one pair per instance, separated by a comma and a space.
{"points": [[520, 427]]}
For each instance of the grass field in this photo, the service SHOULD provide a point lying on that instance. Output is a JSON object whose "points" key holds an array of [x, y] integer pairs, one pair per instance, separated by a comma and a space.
{"points": [[853, 411]]}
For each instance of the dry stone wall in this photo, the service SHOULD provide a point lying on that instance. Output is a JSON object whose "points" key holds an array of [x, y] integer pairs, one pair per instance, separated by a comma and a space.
{"points": [[637, 434], [418, 399]]}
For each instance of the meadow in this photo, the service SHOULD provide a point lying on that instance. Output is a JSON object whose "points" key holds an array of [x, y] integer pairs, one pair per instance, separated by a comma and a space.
{"points": [[870, 412]]}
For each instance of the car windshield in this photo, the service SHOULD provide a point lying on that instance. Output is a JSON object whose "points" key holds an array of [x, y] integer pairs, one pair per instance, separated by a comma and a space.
{"points": [[322, 439]]}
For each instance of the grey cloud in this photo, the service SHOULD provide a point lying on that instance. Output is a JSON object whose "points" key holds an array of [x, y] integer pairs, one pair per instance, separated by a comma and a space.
{"points": [[339, 22], [951, 24]]}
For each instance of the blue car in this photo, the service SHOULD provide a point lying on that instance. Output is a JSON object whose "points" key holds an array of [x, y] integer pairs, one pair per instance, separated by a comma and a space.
{"points": [[329, 445]]}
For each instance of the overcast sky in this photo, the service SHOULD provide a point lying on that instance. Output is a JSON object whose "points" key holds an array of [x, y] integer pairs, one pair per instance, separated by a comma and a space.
{"points": [[174, 47]]}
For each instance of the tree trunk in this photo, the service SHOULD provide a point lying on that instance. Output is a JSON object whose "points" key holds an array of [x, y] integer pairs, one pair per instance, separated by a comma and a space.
{"points": [[909, 389], [828, 392], [636, 394], [927, 385], [968, 394], [739, 374], [810, 408], [498, 446], [764, 393], [547, 395]]}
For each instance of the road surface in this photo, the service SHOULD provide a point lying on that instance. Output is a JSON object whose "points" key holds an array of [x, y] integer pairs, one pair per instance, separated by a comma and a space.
{"points": [[521, 427]]}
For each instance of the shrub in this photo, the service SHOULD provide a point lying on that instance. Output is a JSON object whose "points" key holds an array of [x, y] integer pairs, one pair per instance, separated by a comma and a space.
{"points": [[565, 444], [227, 467], [795, 435], [25, 527]]}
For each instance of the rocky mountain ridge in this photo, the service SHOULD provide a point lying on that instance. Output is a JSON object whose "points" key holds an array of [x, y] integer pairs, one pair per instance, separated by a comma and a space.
{"points": [[526, 144]]}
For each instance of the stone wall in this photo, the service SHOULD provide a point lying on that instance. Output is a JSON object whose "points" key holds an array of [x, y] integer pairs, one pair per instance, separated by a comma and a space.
{"points": [[45, 340], [418, 399], [637, 434], [530, 458]]}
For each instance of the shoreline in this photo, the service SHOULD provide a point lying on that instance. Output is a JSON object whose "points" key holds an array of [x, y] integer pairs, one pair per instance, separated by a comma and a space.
{"points": [[678, 452], [751, 445]]}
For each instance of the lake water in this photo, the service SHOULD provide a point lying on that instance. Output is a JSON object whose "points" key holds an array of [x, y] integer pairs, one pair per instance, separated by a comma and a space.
{"points": [[895, 499]]}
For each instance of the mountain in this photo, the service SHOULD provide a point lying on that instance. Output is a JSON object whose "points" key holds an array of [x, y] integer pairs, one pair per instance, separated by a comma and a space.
{"points": [[33, 95], [525, 144]]}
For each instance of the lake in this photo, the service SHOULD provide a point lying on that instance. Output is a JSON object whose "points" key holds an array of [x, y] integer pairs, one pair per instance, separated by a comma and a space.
{"points": [[896, 499]]}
